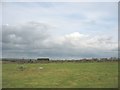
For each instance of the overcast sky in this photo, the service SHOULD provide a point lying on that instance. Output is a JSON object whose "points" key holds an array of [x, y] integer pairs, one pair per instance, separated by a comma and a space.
{"points": [[60, 30]]}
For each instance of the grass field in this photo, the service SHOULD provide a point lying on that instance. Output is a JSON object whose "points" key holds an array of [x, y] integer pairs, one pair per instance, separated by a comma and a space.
{"points": [[61, 75]]}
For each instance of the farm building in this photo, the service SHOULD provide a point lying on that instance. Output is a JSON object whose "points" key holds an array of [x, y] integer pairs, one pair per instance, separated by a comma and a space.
{"points": [[43, 59]]}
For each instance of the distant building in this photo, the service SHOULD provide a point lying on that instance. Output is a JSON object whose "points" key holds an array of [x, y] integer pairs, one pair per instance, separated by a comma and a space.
{"points": [[42, 59]]}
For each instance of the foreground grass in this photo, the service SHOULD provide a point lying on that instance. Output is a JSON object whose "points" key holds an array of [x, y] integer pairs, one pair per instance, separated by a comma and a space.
{"points": [[61, 75]]}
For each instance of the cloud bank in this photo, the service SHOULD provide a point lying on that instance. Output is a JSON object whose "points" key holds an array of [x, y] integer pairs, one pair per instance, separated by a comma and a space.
{"points": [[34, 39], [59, 29]]}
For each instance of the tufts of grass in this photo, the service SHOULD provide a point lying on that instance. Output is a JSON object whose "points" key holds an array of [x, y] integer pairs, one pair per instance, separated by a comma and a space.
{"points": [[61, 75]]}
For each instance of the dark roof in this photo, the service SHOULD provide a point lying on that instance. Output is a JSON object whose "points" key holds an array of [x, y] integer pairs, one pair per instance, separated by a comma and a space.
{"points": [[42, 58]]}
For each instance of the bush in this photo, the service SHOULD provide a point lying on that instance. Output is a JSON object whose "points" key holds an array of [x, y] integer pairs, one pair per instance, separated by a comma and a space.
{"points": [[21, 67]]}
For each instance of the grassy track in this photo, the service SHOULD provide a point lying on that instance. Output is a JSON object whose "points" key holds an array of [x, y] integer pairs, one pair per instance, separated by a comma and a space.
{"points": [[61, 75]]}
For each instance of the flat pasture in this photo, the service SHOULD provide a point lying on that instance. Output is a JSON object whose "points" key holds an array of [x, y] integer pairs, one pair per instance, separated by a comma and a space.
{"points": [[60, 75]]}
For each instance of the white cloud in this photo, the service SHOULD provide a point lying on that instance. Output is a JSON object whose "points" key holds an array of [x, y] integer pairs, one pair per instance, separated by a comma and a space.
{"points": [[79, 41]]}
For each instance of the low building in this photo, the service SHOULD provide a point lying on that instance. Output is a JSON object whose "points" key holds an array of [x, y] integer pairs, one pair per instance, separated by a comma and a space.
{"points": [[43, 59]]}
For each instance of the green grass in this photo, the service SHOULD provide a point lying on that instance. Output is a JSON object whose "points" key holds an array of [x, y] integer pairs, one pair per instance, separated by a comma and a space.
{"points": [[61, 75], [0, 74]]}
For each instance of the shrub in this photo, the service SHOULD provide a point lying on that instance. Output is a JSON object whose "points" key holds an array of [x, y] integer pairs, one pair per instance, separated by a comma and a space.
{"points": [[21, 67]]}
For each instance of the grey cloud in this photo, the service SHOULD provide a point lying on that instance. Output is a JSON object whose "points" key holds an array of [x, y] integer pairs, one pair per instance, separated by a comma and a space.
{"points": [[24, 37], [33, 39]]}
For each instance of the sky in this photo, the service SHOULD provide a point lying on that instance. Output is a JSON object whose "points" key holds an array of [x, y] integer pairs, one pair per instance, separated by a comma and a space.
{"points": [[59, 30], [59, 0]]}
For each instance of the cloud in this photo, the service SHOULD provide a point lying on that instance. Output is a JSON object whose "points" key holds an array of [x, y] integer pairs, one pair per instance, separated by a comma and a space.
{"points": [[86, 42], [24, 36], [33, 39], [64, 29]]}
